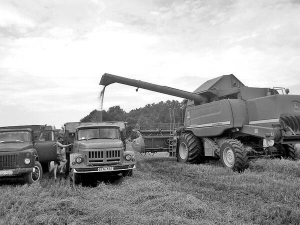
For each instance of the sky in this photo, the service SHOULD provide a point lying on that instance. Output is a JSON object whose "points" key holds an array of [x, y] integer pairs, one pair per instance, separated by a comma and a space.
{"points": [[54, 52]]}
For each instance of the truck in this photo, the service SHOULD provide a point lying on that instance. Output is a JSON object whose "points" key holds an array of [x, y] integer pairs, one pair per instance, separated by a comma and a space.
{"points": [[99, 148], [227, 120], [26, 151]]}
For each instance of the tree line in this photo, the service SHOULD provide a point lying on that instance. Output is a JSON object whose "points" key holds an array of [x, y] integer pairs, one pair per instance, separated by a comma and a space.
{"points": [[151, 116]]}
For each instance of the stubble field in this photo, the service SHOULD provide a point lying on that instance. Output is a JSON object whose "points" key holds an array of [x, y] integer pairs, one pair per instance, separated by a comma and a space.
{"points": [[162, 191]]}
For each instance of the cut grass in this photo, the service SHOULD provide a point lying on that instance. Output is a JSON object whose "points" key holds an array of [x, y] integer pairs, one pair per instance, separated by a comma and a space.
{"points": [[162, 191]]}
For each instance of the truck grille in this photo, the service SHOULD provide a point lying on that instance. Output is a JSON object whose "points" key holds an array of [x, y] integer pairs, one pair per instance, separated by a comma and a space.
{"points": [[102, 157], [292, 121], [8, 161]]}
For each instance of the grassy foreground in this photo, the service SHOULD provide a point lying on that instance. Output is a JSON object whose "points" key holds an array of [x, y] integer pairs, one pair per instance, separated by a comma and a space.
{"points": [[162, 191]]}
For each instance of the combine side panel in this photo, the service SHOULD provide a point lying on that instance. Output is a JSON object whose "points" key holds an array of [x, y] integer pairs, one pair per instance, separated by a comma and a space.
{"points": [[239, 112], [271, 110], [210, 119], [264, 111]]}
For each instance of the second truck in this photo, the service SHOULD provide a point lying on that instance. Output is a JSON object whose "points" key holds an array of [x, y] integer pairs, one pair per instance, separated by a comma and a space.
{"points": [[98, 149]]}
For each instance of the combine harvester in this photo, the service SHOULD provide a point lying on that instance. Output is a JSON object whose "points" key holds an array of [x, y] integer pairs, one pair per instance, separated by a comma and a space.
{"points": [[227, 120]]}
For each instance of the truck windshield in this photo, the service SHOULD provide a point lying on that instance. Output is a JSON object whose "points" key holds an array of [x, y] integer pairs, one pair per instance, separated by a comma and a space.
{"points": [[14, 136], [99, 133]]}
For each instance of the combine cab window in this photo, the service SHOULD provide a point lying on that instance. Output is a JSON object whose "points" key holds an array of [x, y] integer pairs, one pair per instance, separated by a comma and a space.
{"points": [[14, 136], [99, 133]]}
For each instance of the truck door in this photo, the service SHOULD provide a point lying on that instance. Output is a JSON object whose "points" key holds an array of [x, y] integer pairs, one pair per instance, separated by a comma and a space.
{"points": [[45, 146]]}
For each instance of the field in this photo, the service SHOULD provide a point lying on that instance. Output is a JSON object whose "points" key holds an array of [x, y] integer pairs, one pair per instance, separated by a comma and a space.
{"points": [[162, 191]]}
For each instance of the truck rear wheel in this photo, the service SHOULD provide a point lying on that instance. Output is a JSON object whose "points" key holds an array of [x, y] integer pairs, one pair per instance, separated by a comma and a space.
{"points": [[35, 176], [233, 155], [190, 149]]}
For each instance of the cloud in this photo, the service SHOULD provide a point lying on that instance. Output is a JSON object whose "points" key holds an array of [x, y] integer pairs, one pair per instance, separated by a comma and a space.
{"points": [[53, 53], [9, 17]]}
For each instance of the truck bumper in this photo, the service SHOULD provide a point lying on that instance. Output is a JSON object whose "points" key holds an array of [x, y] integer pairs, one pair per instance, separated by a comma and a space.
{"points": [[15, 172], [104, 169]]}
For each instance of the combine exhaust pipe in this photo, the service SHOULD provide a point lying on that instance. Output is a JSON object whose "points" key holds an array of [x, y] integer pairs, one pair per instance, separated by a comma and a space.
{"points": [[108, 79]]}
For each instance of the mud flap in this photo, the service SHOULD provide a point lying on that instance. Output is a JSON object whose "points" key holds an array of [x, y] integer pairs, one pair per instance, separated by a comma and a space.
{"points": [[138, 144]]}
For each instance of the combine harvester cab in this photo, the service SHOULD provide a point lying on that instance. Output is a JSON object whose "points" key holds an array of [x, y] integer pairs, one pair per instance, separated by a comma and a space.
{"points": [[227, 120]]}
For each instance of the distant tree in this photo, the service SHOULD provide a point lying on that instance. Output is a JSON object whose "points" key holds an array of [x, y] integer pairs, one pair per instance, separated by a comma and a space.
{"points": [[94, 116], [115, 113]]}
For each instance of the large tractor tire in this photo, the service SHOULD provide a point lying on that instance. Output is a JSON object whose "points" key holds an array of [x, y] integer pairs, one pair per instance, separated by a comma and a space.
{"points": [[36, 176], [292, 151], [233, 155], [190, 149]]}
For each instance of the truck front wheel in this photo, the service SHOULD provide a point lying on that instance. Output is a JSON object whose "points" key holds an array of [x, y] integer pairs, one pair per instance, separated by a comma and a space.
{"points": [[127, 173], [190, 149], [76, 177], [35, 176], [233, 155]]}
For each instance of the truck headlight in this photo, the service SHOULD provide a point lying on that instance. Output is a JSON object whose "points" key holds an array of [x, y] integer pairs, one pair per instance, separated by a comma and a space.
{"points": [[79, 159], [128, 157], [27, 161]]}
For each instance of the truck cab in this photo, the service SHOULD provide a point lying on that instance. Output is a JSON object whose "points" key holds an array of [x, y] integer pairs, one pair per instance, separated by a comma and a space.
{"points": [[25, 151], [100, 148], [18, 157]]}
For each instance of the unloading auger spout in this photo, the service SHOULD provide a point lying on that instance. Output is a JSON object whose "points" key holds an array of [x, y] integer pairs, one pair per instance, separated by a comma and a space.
{"points": [[108, 79]]}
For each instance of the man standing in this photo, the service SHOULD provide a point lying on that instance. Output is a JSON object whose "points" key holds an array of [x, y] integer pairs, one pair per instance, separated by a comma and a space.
{"points": [[61, 156]]}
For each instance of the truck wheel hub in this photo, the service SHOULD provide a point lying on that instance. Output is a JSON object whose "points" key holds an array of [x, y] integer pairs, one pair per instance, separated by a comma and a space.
{"points": [[36, 173]]}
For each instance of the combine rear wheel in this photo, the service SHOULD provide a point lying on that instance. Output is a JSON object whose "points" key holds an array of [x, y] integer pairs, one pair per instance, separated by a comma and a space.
{"points": [[190, 149], [292, 151], [233, 155]]}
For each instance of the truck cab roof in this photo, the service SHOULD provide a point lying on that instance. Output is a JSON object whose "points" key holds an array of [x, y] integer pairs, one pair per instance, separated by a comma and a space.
{"points": [[97, 125], [15, 129]]}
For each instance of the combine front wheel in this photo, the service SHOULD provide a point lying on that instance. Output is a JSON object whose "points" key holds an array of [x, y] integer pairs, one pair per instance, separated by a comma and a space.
{"points": [[233, 155], [190, 149]]}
